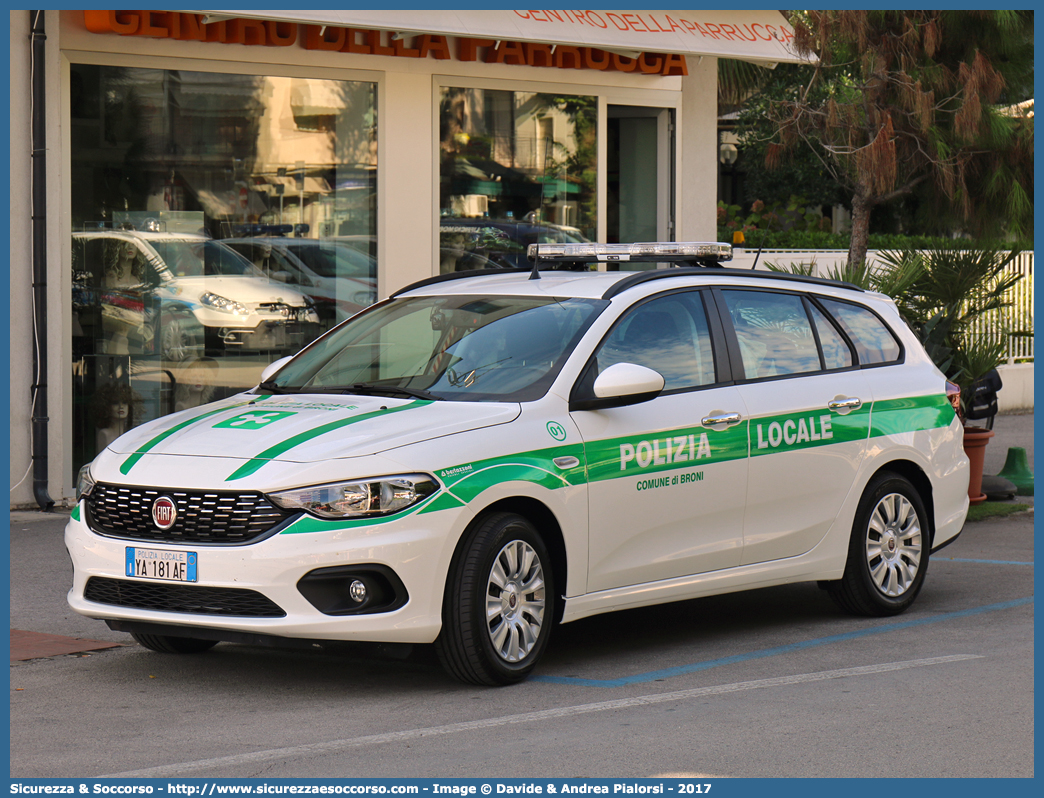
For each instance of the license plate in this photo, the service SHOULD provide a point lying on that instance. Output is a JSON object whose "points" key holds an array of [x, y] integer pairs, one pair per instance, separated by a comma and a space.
{"points": [[170, 566]]}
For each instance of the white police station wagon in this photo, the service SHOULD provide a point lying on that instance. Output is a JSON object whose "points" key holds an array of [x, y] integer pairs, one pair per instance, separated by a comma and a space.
{"points": [[486, 454]]}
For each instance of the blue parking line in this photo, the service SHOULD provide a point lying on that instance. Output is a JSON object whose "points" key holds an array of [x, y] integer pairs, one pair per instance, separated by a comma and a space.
{"points": [[680, 670], [988, 562]]}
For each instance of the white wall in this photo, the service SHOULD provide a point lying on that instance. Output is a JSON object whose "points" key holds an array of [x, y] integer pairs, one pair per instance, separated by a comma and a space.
{"points": [[1017, 391], [697, 151], [405, 224], [22, 376], [21, 261]]}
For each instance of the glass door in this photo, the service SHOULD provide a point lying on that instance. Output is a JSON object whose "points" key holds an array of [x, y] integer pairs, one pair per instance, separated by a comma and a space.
{"points": [[640, 152]]}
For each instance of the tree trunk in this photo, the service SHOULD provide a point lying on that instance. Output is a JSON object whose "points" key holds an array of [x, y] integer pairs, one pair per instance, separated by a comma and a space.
{"points": [[861, 206]]}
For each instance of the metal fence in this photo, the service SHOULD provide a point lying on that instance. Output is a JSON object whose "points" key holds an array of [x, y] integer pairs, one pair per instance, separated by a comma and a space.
{"points": [[1017, 317]]}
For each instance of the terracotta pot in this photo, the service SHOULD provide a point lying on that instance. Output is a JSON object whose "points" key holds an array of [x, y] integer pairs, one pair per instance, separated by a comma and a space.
{"points": [[975, 441]]}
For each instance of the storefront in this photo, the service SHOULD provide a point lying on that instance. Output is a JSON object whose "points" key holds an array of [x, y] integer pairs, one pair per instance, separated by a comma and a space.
{"points": [[222, 189]]}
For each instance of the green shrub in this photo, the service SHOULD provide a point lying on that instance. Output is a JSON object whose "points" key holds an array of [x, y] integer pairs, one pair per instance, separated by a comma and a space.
{"points": [[816, 239]]}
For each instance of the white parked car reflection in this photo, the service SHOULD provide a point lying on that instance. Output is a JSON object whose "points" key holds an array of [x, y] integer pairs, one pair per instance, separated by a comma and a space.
{"points": [[211, 292], [339, 279]]}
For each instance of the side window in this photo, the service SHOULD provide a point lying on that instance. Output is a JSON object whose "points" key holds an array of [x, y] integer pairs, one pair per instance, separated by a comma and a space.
{"points": [[775, 336], [669, 335], [836, 352], [874, 342]]}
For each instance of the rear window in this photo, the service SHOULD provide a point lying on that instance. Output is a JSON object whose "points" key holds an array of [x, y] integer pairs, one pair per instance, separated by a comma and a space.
{"points": [[874, 342]]}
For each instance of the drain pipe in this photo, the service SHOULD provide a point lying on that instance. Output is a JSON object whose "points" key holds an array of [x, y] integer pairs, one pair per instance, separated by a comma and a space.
{"points": [[39, 211]]}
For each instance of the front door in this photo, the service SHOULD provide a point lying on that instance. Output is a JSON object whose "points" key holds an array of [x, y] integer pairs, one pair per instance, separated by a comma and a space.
{"points": [[667, 477]]}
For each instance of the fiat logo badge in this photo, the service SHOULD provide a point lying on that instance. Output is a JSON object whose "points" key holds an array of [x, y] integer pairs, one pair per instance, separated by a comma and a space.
{"points": [[164, 512]]}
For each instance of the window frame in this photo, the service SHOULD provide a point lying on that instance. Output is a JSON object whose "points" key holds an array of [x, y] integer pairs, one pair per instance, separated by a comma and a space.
{"points": [[808, 299], [581, 396], [855, 349]]}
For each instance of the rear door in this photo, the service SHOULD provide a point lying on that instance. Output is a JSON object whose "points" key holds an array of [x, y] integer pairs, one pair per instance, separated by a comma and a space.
{"points": [[809, 414], [667, 477]]}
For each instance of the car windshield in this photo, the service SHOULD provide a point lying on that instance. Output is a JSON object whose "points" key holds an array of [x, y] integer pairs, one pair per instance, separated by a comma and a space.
{"points": [[462, 348], [190, 257], [331, 260]]}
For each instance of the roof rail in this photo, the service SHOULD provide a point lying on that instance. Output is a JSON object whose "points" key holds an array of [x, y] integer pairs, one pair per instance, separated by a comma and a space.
{"points": [[636, 278], [444, 278], [658, 274]]}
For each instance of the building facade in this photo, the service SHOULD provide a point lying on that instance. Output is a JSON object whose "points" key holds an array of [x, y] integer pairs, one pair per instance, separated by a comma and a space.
{"points": [[209, 192]]}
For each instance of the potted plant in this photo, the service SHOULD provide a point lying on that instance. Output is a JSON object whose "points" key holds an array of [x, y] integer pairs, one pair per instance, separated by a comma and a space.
{"points": [[952, 287]]}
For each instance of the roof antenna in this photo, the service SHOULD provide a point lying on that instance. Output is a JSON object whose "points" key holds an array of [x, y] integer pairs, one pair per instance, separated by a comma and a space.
{"points": [[758, 255], [761, 245], [535, 274]]}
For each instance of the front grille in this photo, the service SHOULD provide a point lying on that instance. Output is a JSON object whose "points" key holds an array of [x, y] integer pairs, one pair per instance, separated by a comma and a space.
{"points": [[215, 518], [193, 599]]}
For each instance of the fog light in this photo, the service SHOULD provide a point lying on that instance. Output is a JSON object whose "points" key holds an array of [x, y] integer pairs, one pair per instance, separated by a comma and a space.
{"points": [[361, 589], [357, 591]]}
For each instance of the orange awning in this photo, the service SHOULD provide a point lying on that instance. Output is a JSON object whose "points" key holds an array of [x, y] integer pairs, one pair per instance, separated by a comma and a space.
{"points": [[760, 36]]}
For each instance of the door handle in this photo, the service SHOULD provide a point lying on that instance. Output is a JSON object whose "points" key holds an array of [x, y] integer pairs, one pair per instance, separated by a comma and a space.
{"points": [[844, 404], [719, 420]]}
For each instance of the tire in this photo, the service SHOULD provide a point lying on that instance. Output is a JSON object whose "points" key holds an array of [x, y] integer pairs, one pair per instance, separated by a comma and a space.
{"points": [[165, 644], [503, 566], [888, 552], [176, 342]]}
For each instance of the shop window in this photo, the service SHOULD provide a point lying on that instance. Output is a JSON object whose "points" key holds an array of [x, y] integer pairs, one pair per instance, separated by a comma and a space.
{"points": [[516, 168], [220, 222]]}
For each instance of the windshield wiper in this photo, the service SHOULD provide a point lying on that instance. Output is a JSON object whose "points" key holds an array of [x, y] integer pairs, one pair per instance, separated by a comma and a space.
{"points": [[269, 385], [367, 389]]}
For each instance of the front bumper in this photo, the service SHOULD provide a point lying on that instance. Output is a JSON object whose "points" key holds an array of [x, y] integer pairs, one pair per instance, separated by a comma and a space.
{"points": [[415, 549], [264, 328]]}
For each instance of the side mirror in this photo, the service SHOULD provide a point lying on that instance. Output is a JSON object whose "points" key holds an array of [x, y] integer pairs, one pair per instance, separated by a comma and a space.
{"points": [[621, 385], [272, 368]]}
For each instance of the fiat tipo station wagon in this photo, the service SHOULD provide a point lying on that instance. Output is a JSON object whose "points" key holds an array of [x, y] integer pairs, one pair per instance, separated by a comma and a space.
{"points": [[485, 455]]}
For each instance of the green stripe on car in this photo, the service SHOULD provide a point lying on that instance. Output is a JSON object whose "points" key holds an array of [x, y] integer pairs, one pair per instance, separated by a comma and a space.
{"points": [[666, 450], [793, 431], [129, 463], [911, 414], [282, 447]]}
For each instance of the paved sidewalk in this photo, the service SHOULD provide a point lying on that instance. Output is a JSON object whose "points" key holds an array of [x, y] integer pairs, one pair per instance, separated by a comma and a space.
{"points": [[36, 645]]}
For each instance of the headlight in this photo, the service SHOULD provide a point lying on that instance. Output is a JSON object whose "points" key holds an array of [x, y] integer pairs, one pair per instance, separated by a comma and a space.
{"points": [[84, 482], [361, 498], [220, 303]]}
